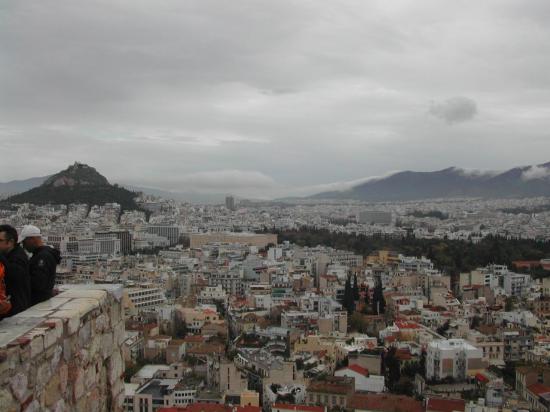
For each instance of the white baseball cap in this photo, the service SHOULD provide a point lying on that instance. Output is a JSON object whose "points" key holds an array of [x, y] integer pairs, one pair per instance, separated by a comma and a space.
{"points": [[29, 231]]}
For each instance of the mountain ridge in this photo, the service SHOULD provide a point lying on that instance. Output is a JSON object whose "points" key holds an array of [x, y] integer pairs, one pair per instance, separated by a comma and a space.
{"points": [[452, 182], [79, 183]]}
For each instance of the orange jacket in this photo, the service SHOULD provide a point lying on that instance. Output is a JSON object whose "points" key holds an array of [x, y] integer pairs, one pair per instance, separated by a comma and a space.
{"points": [[5, 304]]}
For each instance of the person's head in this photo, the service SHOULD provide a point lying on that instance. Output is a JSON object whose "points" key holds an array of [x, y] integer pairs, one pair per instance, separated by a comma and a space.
{"points": [[8, 238], [30, 238]]}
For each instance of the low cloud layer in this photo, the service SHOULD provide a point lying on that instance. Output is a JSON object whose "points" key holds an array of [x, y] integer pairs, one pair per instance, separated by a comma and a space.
{"points": [[454, 110], [536, 172]]}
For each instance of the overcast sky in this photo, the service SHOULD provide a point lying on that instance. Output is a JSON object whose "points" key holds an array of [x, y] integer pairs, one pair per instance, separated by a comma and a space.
{"points": [[268, 98]]}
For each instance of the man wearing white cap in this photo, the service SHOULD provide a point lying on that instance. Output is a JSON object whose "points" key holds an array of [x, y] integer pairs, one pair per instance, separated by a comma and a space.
{"points": [[42, 265]]}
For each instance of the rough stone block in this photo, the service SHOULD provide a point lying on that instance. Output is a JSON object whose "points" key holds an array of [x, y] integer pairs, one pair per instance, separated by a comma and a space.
{"points": [[56, 358], [32, 406], [19, 386], [54, 332], [101, 323], [82, 306], [116, 367], [63, 372], [71, 320], [107, 345], [51, 304], [99, 295], [78, 382], [7, 402], [60, 406], [84, 334], [37, 345], [69, 347], [43, 375], [90, 378], [119, 333], [52, 391], [95, 345], [84, 357]]}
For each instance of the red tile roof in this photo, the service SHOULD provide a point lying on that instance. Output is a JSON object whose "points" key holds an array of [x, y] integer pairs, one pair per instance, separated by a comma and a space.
{"points": [[247, 408], [482, 378], [386, 403], [340, 385], [403, 354], [403, 324], [538, 389], [291, 407], [198, 407], [194, 338], [359, 369], [445, 405]]}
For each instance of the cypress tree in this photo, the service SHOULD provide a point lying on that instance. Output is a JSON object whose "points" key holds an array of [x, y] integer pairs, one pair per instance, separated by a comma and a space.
{"points": [[348, 297], [355, 288]]}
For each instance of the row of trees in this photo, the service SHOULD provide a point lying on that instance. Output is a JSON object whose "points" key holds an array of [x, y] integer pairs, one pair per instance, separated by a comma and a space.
{"points": [[452, 256], [352, 296]]}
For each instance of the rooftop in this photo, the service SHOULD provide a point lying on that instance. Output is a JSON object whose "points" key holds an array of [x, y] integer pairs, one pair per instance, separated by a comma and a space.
{"points": [[385, 403], [445, 405], [291, 407], [447, 344]]}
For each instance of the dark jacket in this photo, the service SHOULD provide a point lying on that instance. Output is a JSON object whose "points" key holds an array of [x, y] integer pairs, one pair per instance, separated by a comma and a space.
{"points": [[18, 281], [42, 265]]}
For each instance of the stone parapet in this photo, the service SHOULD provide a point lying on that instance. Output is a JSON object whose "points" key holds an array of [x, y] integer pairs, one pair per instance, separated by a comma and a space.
{"points": [[65, 354]]}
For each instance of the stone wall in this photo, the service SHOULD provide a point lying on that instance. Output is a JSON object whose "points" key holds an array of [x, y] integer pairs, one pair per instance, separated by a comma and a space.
{"points": [[65, 354]]}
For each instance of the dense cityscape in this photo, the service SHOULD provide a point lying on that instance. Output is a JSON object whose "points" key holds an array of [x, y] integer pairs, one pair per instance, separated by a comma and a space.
{"points": [[222, 313]]}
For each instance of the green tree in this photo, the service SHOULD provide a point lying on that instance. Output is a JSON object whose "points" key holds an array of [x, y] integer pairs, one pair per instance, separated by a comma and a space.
{"points": [[378, 300], [476, 320], [349, 304], [392, 368], [509, 305], [443, 328], [367, 299], [355, 288], [358, 323]]}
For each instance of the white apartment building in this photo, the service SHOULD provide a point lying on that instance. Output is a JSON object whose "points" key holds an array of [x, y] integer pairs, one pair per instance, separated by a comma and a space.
{"points": [[453, 358], [517, 284], [212, 294], [145, 298]]}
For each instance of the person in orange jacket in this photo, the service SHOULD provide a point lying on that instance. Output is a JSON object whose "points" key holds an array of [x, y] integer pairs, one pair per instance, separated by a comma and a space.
{"points": [[5, 304]]}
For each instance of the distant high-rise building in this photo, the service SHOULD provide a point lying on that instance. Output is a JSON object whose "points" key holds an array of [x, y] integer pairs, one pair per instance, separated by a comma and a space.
{"points": [[230, 202]]}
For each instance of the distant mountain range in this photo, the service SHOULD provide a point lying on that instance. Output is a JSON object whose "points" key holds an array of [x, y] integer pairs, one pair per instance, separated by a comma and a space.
{"points": [[527, 181], [18, 186], [83, 183], [79, 183]]}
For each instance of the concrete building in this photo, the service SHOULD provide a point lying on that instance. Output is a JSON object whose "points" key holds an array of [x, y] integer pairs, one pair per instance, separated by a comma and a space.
{"points": [[170, 232], [363, 380], [145, 297], [230, 203], [455, 358], [516, 284], [334, 391]]}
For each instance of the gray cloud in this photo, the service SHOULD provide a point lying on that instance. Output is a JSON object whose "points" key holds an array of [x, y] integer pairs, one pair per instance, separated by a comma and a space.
{"points": [[535, 172], [454, 110], [303, 93]]}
